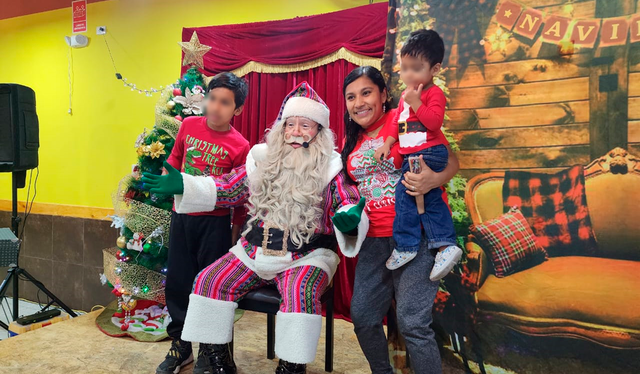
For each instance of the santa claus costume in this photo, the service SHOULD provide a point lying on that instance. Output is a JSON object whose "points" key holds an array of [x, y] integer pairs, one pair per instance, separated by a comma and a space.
{"points": [[299, 204]]}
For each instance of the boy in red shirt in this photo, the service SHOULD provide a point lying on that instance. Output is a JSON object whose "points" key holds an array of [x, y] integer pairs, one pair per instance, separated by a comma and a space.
{"points": [[420, 116], [206, 145]]}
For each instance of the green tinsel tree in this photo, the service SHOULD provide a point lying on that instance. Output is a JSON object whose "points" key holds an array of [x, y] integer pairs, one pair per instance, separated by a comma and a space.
{"points": [[143, 217]]}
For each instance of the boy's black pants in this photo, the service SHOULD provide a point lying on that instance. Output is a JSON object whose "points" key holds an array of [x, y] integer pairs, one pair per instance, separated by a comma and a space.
{"points": [[195, 242]]}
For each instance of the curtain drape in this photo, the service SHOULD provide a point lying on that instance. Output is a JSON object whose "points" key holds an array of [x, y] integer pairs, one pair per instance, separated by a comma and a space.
{"points": [[266, 92], [361, 31]]}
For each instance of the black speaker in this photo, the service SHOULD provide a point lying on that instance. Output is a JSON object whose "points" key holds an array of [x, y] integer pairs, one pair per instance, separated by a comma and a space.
{"points": [[19, 138]]}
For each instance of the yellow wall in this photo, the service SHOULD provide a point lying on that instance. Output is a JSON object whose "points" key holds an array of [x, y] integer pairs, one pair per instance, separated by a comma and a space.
{"points": [[84, 155]]}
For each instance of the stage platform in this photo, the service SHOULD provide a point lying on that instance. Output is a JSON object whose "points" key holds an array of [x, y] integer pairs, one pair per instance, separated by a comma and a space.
{"points": [[77, 346]]}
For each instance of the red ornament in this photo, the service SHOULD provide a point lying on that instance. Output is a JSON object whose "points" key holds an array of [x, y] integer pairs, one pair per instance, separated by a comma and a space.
{"points": [[177, 92], [178, 117]]}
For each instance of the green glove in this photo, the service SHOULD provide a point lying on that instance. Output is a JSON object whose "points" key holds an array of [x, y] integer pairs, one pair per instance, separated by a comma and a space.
{"points": [[168, 184], [348, 220]]}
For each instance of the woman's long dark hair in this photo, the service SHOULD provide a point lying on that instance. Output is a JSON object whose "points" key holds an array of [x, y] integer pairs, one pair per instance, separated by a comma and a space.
{"points": [[352, 129]]}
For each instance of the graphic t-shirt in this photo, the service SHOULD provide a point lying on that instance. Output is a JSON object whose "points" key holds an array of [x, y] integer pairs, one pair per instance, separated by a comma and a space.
{"points": [[199, 150], [377, 180]]}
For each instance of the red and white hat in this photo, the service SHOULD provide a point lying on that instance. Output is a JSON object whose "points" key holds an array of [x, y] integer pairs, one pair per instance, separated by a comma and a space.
{"points": [[303, 101]]}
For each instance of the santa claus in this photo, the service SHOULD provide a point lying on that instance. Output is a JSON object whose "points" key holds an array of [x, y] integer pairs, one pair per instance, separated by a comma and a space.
{"points": [[299, 204]]}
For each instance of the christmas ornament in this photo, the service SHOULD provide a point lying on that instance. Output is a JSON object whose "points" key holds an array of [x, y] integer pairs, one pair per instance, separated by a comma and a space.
{"points": [[197, 90], [146, 247], [170, 104], [136, 242], [178, 117], [143, 150], [141, 137], [177, 91], [121, 242], [127, 303], [116, 221], [156, 149], [121, 255], [192, 103], [194, 51]]}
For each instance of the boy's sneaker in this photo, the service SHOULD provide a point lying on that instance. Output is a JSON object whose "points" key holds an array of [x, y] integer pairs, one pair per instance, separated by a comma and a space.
{"points": [[397, 259], [180, 355], [445, 261]]}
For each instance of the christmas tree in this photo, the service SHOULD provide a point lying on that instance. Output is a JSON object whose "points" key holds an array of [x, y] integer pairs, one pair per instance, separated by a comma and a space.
{"points": [[136, 267]]}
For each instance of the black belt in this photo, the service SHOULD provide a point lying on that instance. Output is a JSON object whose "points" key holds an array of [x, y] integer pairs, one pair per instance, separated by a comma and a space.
{"points": [[274, 241]]}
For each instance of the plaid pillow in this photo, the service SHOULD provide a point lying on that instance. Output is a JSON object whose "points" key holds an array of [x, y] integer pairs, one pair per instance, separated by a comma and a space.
{"points": [[555, 205], [510, 243]]}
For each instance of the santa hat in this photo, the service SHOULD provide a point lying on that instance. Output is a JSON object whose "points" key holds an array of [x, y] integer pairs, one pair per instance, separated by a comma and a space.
{"points": [[303, 101]]}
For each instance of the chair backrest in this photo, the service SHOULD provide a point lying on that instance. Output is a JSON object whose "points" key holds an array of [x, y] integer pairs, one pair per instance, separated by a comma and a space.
{"points": [[612, 183]]}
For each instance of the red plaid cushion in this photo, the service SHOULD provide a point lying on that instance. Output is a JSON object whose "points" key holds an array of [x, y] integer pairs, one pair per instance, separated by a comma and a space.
{"points": [[510, 243], [555, 205]]}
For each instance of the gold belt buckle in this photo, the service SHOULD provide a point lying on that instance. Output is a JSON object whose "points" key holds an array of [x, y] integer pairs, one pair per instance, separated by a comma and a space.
{"points": [[265, 242]]}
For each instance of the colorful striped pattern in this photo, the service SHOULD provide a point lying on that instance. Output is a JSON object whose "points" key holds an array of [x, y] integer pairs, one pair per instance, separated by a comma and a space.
{"points": [[232, 190], [228, 279], [339, 193]]}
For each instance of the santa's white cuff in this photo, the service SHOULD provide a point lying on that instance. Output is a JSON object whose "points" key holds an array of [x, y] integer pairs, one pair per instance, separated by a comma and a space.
{"points": [[350, 245], [297, 336], [200, 195], [209, 320]]}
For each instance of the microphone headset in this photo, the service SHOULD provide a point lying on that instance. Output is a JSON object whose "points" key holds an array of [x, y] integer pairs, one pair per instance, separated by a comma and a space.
{"points": [[306, 144]]}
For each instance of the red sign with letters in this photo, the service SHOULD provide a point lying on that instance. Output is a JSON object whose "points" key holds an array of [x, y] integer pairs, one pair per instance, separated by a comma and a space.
{"points": [[79, 9]]}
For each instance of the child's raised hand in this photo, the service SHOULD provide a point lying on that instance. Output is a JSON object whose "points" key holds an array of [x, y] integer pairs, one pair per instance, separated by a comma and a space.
{"points": [[412, 95], [382, 152]]}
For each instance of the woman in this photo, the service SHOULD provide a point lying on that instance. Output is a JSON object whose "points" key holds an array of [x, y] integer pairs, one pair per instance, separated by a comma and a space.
{"points": [[368, 111]]}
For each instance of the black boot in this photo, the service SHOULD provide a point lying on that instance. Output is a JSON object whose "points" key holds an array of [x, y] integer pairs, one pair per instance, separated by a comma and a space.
{"points": [[214, 359], [180, 354], [288, 368]]}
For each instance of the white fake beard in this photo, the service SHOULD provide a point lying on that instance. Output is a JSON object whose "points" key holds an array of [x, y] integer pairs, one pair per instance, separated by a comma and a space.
{"points": [[287, 188]]}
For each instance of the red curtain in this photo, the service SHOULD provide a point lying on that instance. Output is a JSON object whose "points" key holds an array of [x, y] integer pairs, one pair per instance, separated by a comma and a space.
{"points": [[266, 92], [361, 30]]}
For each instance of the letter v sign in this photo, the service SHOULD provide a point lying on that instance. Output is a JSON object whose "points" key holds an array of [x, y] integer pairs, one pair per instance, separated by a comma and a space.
{"points": [[585, 32]]}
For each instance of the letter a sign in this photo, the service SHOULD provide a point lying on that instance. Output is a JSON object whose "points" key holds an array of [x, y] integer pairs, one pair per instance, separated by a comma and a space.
{"points": [[79, 9]]}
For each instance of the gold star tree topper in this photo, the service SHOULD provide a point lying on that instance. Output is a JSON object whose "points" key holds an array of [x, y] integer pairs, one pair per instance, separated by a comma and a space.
{"points": [[194, 51]]}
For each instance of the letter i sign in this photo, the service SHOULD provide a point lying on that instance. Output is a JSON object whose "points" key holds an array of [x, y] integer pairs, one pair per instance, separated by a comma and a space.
{"points": [[79, 9]]}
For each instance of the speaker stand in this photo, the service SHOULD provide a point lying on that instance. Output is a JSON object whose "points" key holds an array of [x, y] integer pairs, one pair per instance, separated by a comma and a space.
{"points": [[15, 271]]}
